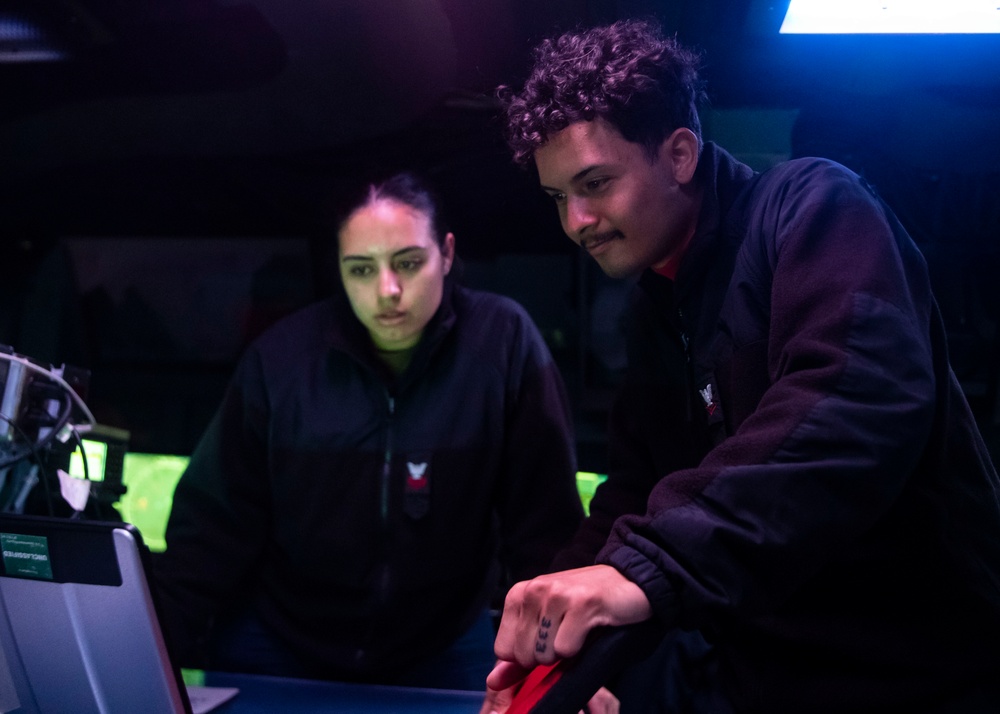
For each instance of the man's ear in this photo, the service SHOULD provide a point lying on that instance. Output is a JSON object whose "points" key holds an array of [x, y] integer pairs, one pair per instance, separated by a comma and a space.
{"points": [[448, 251], [681, 150]]}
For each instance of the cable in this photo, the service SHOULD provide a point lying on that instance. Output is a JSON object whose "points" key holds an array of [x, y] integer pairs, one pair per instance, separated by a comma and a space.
{"points": [[61, 422], [83, 453], [69, 398], [86, 474], [49, 373], [38, 463]]}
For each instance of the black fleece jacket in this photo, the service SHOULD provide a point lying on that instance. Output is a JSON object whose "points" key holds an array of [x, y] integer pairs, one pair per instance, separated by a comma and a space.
{"points": [[806, 481], [362, 516]]}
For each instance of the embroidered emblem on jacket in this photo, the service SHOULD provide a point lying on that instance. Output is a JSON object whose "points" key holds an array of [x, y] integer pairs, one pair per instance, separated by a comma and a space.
{"points": [[709, 399], [418, 478]]}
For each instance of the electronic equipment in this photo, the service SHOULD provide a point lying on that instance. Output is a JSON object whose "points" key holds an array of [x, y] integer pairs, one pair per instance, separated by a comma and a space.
{"points": [[43, 420], [78, 625]]}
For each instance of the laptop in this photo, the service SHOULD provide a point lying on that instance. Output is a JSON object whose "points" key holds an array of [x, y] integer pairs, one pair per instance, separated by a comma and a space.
{"points": [[78, 625]]}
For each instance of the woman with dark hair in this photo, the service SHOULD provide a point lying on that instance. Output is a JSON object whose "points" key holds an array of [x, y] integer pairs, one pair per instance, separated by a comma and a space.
{"points": [[376, 460]]}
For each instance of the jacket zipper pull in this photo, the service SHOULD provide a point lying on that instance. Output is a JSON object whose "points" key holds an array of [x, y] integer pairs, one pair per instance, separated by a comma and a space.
{"points": [[683, 334], [687, 358]]}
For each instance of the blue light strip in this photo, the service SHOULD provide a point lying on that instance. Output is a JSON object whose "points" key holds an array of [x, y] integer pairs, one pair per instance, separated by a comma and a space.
{"points": [[23, 40]]}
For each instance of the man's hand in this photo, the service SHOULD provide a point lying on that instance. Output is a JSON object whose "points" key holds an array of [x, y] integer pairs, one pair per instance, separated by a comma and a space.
{"points": [[603, 702], [548, 618]]}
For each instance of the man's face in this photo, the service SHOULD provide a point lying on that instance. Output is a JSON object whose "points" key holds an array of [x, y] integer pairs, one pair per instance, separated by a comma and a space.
{"points": [[393, 271], [629, 211]]}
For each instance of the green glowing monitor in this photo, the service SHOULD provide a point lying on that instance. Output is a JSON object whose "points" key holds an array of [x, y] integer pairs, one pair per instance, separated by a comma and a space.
{"points": [[91, 466], [150, 480], [586, 483]]}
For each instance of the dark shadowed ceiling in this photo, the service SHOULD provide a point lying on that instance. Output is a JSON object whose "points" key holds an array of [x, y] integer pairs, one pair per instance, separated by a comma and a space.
{"points": [[240, 116], [206, 116]]}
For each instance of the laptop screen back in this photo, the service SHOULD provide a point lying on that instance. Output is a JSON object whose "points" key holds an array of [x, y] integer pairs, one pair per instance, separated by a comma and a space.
{"points": [[78, 627]]}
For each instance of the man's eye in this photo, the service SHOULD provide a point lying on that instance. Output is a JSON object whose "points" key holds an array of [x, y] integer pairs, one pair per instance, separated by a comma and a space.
{"points": [[596, 184]]}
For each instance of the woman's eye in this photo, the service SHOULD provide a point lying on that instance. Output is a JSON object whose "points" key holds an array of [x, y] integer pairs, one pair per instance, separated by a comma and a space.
{"points": [[596, 184], [408, 265], [360, 271]]}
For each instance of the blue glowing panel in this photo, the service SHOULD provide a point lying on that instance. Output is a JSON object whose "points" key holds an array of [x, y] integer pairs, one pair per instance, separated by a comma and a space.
{"points": [[845, 17], [23, 40]]}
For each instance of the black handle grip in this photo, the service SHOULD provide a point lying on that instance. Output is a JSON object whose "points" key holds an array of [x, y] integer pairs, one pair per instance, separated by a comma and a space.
{"points": [[606, 652]]}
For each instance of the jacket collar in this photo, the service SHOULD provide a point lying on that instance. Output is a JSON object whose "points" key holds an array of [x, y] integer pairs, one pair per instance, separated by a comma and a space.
{"points": [[723, 180], [710, 254]]}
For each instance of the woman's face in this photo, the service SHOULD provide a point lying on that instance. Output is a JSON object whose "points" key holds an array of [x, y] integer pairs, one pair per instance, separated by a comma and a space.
{"points": [[393, 271]]}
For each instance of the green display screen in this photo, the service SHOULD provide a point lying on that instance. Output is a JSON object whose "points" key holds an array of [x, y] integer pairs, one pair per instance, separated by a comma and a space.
{"points": [[586, 483], [97, 455], [150, 480]]}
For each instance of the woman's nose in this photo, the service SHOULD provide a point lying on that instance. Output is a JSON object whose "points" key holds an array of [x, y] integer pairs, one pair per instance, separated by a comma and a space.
{"points": [[388, 285]]}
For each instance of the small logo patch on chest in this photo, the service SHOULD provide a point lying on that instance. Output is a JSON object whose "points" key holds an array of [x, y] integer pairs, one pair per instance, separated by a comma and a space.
{"points": [[709, 398], [417, 476]]}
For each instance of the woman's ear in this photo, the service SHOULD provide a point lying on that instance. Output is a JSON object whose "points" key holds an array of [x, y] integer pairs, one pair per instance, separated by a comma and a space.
{"points": [[681, 150], [448, 251]]}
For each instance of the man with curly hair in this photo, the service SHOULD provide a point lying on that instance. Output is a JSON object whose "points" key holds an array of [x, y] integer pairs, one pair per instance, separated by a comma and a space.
{"points": [[795, 472]]}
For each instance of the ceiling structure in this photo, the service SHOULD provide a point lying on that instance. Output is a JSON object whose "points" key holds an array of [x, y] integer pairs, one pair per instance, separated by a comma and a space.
{"points": [[239, 116]]}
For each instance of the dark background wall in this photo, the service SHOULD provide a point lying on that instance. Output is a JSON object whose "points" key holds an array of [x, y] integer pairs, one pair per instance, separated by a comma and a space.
{"points": [[163, 184]]}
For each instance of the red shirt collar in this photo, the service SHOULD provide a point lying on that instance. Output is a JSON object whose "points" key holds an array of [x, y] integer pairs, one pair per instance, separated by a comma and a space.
{"points": [[669, 270]]}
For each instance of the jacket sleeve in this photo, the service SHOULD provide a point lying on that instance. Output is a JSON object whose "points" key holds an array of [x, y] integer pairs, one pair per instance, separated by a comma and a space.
{"points": [[217, 524], [650, 428], [820, 461], [539, 506]]}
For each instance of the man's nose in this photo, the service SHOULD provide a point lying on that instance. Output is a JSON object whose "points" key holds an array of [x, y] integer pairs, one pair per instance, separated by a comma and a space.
{"points": [[579, 218]]}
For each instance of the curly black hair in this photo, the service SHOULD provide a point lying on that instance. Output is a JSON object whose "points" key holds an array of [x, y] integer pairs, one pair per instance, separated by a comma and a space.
{"points": [[644, 84]]}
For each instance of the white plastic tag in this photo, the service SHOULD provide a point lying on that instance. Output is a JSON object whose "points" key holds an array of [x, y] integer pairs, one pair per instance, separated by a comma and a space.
{"points": [[76, 491]]}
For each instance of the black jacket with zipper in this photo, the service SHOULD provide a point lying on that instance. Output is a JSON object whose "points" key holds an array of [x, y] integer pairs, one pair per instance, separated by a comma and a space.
{"points": [[364, 516], [806, 482]]}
